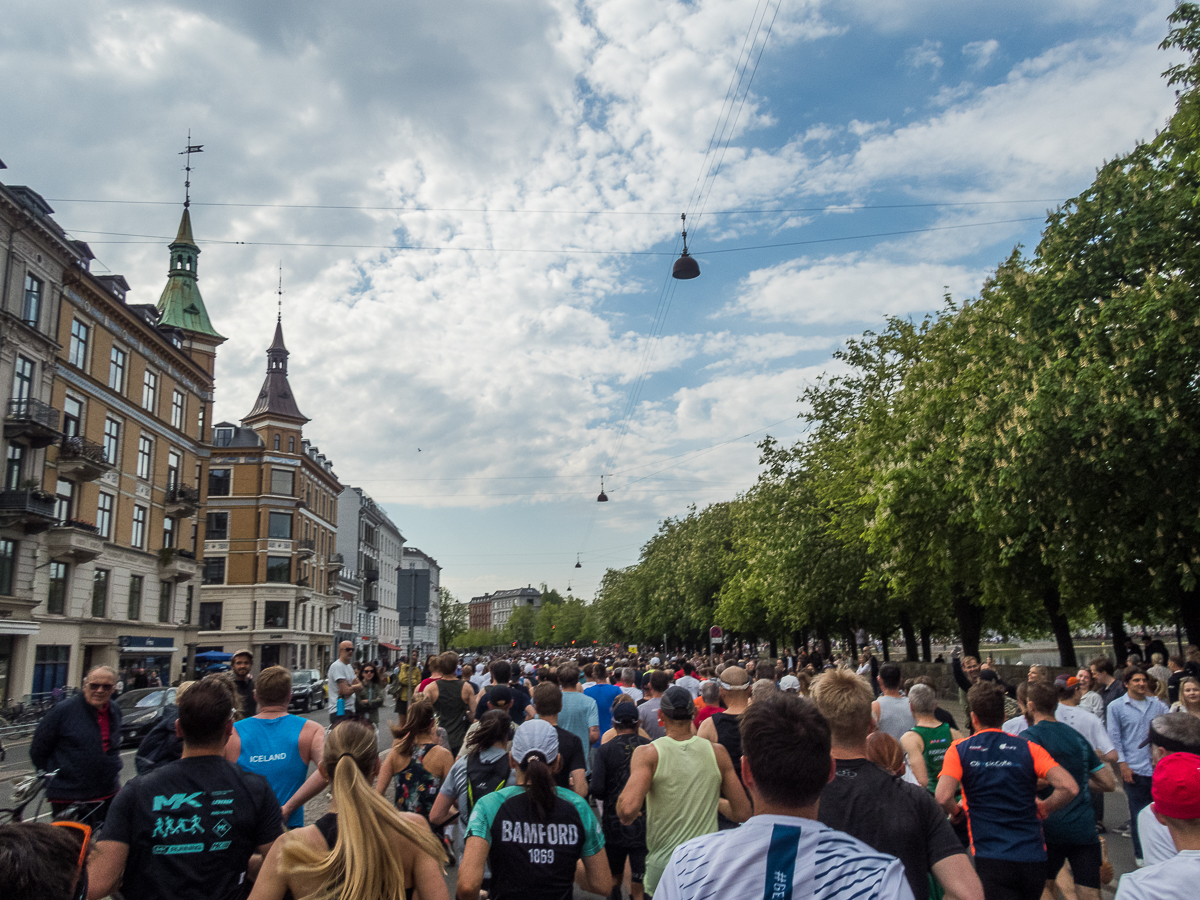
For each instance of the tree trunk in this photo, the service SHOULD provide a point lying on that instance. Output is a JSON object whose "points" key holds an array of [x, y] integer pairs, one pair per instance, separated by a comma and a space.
{"points": [[1116, 624], [1189, 615], [823, 637], [910, 637], [774, 648], [1052, 601], [885, 642], [851, 641], [969, 616], [926, 643]]}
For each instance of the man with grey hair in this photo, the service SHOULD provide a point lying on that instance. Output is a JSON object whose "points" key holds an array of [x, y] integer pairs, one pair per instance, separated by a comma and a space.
{"points": [[928, 740], [762, 689], [81, 739], [628, 684], [1176, 732]]}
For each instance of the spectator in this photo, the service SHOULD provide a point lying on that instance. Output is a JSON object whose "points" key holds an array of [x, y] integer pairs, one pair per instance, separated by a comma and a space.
{"points": [[342, 685], [242, 663], [1189, 697], [369, 698], [1103, 682], [1176, 793], [81, 739], [1129, 717]]}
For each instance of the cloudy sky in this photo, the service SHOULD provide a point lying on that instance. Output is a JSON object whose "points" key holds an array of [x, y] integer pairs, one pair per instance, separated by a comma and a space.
{"points": [[476, 207]]}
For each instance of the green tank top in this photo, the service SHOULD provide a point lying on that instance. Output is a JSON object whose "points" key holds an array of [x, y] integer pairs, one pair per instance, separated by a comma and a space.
{"points": [[682, 801], [937, 742]]}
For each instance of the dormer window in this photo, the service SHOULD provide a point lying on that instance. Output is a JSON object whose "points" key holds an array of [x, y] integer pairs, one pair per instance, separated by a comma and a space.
{"points": [[222, 437]]}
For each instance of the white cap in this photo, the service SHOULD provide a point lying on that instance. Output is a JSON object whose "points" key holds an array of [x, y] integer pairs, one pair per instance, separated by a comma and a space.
{"points": [[535, 736], [529, 669], [789, 683], [656, 661]]}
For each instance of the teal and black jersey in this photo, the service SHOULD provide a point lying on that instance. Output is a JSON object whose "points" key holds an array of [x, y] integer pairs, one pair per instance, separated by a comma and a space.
{"points": [[531, 858]]}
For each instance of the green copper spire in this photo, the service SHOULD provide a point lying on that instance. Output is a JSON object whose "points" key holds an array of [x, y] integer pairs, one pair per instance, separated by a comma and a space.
{"points": [[180, 305]]}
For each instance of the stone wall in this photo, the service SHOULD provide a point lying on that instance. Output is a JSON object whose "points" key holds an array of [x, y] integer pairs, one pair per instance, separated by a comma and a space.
{"points": [[943, 675]]}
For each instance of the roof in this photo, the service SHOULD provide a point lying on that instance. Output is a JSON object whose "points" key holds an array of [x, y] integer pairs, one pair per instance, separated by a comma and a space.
{"points": [[181, 305], [242, 437], [275, 398]]}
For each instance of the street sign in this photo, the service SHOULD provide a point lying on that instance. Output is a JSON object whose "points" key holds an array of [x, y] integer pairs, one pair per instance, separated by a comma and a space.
{"points": [[633, 648], [716, 633]]}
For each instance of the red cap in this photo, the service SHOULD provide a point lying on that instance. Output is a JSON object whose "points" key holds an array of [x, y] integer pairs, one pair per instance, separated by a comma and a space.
{"points": [[1176, 788]]}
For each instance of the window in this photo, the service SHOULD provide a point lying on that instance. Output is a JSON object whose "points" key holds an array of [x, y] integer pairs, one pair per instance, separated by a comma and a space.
{"points": [[13, 466], [222, 437], [216, 526], [33, 300], [116, 370], [135, 596], [291, 445], [219, 482], [22, 379], [100, 593], [187, 608], [72, 416], [56, 603], [210, 616], [282, 481], [276, 614], [150, 391], [168, 532], [51, 663], [174, 463], [177, 409], [280, 526], [112, 439], [166, 593], [214, 570], [145, 457], [79, 344], [279, 569], [8, 565], [64, 494], [138, 537], [276, 442], [104, 515], [200, 422]]}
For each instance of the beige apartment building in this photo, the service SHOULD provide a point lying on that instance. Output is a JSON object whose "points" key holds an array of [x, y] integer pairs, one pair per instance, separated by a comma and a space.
{"points": [[270, 558], [105, 443]]}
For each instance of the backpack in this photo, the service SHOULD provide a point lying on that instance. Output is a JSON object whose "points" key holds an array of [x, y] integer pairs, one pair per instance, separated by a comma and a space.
{"points": [[484, 778]]}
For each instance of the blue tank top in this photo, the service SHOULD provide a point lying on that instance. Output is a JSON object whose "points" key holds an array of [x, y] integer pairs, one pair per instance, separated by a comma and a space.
{"points": [[271, 748]]}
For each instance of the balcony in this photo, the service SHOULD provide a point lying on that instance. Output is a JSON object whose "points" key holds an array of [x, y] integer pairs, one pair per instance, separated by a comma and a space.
{"points": [[75, 542], [370, 576], [31, 422], [305, 547], [176, 565], [335, 563], [80, 459], [182, 500], [29, 507], [371, 605]]}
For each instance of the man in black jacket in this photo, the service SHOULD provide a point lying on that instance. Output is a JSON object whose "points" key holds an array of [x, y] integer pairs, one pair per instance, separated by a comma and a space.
{"points": [[81, 738], [242, 663]]}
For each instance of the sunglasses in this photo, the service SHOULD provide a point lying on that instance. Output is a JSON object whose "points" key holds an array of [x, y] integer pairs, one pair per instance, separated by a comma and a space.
{"points": [[101, 687], [84, 833]]}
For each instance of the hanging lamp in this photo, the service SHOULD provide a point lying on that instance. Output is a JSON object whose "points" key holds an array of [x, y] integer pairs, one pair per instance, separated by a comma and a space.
{"points": [[686, 266], [603, 498], [578, 564]]}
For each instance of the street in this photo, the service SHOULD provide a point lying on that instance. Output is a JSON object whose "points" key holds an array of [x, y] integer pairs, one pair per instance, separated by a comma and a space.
{"points": [[1120, 848]]}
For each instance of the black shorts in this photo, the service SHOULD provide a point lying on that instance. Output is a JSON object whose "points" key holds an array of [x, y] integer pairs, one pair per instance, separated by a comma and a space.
{"points": [[1085, 862], [637, 863], [1004, 879]]}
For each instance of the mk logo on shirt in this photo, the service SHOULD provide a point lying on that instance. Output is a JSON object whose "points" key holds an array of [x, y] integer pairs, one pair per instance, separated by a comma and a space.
{"points": [[176, 801], [537, 833]]}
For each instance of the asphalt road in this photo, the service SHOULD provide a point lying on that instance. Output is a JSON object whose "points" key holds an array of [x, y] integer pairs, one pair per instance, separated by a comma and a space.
{"points": [[1120, 848]]}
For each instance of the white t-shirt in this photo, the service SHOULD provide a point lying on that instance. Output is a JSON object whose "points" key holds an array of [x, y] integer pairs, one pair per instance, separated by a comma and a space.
{"points": [[1175, 879], [344, 672], [1088, 725], [1015, 725], [805, 858], [632, 692], [692, 685], [1157, 843]]}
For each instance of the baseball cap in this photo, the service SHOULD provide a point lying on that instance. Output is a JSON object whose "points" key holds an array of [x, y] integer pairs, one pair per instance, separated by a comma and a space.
{"points": [[655, 661], [242, 652], [500, 693], [535, 736], [734, 678], [677, 703], [1176, 787], [625, 713], [789, 683], [1067, 681]]}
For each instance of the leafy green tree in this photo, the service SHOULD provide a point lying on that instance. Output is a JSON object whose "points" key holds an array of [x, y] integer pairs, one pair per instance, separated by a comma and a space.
{"points": [[454, 617]]}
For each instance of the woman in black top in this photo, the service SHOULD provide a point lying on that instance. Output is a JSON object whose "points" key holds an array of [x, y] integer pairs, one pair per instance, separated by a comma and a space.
{"points": [[363, 847]]}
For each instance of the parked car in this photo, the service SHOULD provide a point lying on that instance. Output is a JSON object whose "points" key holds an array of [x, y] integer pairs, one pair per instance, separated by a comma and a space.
{"points": [[140, 709], [308, 690]]}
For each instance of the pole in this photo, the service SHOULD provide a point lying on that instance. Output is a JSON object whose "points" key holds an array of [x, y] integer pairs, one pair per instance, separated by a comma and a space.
{"points": [[412, 609]]}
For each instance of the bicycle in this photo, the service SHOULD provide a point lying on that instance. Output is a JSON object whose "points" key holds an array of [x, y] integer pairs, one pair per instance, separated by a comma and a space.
{"points": [[33, 787]]}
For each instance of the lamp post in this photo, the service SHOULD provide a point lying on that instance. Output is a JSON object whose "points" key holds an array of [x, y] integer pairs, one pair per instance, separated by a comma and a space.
{"points": [[412, 609]]}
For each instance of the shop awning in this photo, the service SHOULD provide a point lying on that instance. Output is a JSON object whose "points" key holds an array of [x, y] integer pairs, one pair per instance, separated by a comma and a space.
{"points": [[154, 651], [388, 646], [18, 627]]}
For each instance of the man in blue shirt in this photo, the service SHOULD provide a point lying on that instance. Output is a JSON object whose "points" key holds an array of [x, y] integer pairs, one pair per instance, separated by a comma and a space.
{"points": [[604, 694], [1128, 719], [579, 715]]}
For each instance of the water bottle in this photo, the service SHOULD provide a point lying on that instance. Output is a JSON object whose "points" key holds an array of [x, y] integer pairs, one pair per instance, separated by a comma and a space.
{"points": [[341, 706]]}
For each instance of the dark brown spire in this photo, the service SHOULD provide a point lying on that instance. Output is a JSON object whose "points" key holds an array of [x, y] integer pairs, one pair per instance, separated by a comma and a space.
{"points": [[275, 400]]}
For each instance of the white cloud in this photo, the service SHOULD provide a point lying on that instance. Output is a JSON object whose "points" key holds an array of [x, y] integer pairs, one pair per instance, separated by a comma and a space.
{"points": [[925, 55], [980, 53]]}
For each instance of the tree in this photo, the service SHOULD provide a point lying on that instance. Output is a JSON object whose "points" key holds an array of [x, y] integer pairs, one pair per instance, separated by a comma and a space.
{"points": [[454, 618]]}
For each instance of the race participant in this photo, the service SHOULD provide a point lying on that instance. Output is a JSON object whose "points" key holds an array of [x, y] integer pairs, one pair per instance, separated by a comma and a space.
{"points": [[622, 699], [782, 851], [276, 744], [722, 726], [687, 679], [533, 834], [1071, 831], [482, 768], [520, 700], [710, 702], [655, 684], [603, 694], [1020, 721], [680, 777], [187, 830], [1172, 733], [453, 700], [41, 861], [1128, 722], [417, 763], [929, 739], [890, 709], [161, 744], [579, 714], [362, 847], [628, 684], [81, 739], [610, 772], [878, 808], [998, 776], [1176, 793], [343, 684], [571, 772], [242, 663]]}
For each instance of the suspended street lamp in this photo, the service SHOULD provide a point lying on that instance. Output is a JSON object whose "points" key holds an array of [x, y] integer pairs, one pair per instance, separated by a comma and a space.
{"points": [[578, 564], [603, 498], [685, 267]]}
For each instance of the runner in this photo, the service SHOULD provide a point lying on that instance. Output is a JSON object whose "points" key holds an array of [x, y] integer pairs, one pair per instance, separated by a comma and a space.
{"points": [[657, 682], [41, 861], [1172, 733], [722, 726], [453, 700], [782, 851], [276, 744], [533, 834], [603, 694], [680, 777], [579, 714], [890, 709], [572, 770], [1176, 793], [362, 847], [610, 773], [417, 763], [998, 775], [929, 739], [483, 768]]}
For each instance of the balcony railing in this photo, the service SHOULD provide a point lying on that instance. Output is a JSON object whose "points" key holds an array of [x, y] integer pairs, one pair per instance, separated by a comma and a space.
{"points": [[306, 546], [370, 575], [34, 509], [75, 447], [30, 410], [79, 525], [182, 493]]}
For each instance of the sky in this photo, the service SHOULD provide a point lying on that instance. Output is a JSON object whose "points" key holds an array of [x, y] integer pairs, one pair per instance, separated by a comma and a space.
{"points": [[475, 206]]}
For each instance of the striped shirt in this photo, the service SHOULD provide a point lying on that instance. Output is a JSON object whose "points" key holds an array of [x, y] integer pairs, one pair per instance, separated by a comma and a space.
{"points": [[781, 858]]}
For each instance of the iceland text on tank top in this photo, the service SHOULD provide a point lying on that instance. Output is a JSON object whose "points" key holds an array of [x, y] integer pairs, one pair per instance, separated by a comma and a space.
{"points": [[271, 747]]}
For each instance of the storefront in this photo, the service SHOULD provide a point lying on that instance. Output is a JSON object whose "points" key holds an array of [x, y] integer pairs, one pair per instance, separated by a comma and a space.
{"points": [[142, 659]]}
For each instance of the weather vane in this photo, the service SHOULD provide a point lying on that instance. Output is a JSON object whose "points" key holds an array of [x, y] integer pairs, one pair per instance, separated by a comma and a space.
{"points": [[187, 180], [279, 301]]}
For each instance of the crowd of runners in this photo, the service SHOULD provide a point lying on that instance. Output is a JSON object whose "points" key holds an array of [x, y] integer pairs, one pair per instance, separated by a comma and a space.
{"points": [[684, 777]]}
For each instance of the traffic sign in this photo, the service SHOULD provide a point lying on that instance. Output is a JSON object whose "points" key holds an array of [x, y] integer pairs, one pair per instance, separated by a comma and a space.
{"points": [[716, 633]]}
